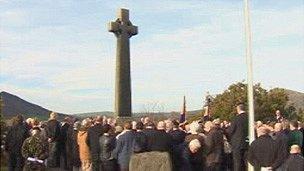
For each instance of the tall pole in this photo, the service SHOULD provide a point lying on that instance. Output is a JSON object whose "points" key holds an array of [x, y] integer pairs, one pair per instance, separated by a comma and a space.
{"points": [[249, 75]]}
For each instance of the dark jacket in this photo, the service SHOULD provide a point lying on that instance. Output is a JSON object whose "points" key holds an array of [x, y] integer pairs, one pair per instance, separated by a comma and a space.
{"points": [[282, 142], [107, 144], [15, 137], [178, 141], [189, 161], [214, 146], [238, 132], [53, 130], [72, 148], [63, 133], [158, 140], [94, 133], [124, 148], [140, 142], [178, 136], [295, 137], [263, 152], [295, 162]]}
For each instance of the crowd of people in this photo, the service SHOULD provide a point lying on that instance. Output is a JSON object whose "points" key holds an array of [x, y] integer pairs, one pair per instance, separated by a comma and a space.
{"points": [[101, 144]]}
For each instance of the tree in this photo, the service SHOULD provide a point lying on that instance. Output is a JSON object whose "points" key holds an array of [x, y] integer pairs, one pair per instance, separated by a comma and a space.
{"points": [[265, 102]]}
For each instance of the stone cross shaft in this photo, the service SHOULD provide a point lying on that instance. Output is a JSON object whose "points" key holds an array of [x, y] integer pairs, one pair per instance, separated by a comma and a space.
{"points": [[123, 30]]}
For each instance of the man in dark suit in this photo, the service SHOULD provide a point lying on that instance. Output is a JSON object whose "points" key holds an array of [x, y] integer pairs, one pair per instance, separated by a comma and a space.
{"points": [[53, 135], [214, 146], [124, 147], [264, 152], [238, 132], [16, 135], [62, 141], [178, 139], [158, 140], [92, 141], [295, 161], [281, 140]]}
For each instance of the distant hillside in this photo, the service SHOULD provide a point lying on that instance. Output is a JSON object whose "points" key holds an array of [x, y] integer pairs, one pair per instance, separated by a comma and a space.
{"points": [[296, 99], [13, 105]]}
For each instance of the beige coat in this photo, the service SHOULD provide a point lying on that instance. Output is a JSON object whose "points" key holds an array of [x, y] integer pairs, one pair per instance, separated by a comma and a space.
{"points": [[84, 151]]}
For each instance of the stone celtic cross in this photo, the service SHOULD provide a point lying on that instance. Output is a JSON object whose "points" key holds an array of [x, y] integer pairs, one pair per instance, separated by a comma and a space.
{"points": [[123, 30]]}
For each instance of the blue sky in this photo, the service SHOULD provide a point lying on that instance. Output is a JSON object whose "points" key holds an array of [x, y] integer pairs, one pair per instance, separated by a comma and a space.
{"points": [[59, 54]]}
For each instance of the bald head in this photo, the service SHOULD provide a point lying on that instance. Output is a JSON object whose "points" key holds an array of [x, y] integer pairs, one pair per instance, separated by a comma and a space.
{"points": [[161, 125], [295, 149], [262, 131], [278, 127], [208, 126]]}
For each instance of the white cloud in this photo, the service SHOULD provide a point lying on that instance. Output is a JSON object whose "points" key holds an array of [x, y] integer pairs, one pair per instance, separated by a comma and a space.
{"points": [[78, 63]]}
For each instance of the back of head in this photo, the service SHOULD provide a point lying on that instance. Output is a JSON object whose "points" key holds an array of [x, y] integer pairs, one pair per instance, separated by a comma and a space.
{"points": [[35, 122], [147, 120], [208, 126], [150, 125], [294, 124], [118, 129], [194, 127], [240, 107], [106, 128], [175, 124], [278, 127], [259, 124], [194, 145], [217, 121], [127, 125], [295, 149], [262, 131], [161, 125], [86, 123], [77, 125], [99, 119], [139, 126], [53, 115]]}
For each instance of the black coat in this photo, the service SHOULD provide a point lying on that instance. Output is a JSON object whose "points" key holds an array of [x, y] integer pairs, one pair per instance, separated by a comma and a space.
{"points": [[178, 143], [107, 144], [140, 142], [189, 161], [158, 140], [94, 133], [15, 137], [73, 148], [295, 162], [178, 136], [53, 130], [238, 132], [124, 148], [264, 152], [214, 146], [281, 140]]}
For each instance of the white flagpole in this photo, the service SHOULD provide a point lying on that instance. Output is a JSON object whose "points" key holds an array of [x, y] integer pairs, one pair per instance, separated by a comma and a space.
{"points": [[249, 75]]}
